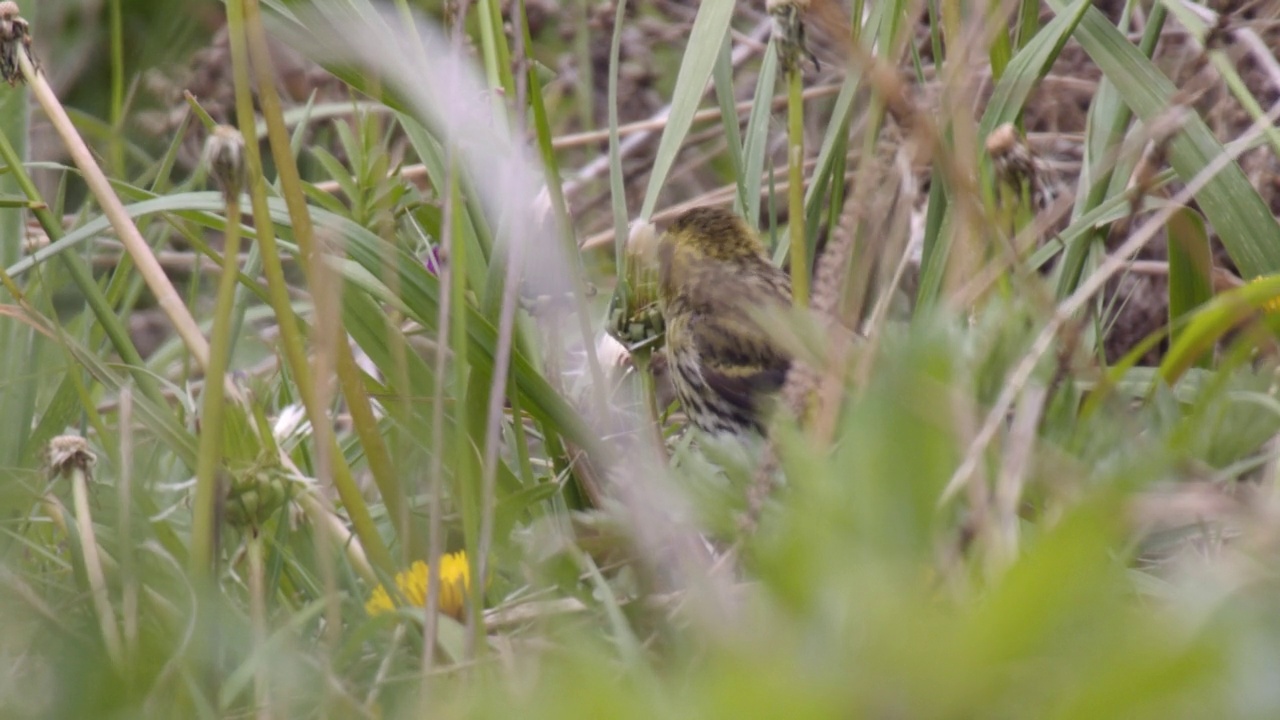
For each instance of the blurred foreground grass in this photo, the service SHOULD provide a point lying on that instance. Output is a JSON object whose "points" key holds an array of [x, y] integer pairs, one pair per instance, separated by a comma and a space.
{"points": [[979, 516]]}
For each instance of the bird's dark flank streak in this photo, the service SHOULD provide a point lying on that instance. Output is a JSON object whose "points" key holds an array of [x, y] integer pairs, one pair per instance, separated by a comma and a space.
{"points": [[714, 281]]}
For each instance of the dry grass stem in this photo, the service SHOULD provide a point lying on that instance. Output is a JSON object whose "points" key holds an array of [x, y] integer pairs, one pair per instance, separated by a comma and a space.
{"points": [[70, 457]]}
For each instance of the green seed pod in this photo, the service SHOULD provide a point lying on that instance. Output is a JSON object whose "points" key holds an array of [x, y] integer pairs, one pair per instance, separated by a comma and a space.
{"points": [[248, 501], [635, 301], [274, 493]]}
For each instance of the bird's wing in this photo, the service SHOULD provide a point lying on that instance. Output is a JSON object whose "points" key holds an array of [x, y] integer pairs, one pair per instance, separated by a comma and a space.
{"points": [[737, 359]]}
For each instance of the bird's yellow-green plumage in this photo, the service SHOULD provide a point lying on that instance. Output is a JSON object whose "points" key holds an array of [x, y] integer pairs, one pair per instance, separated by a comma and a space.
{"points": [[714, 281]]}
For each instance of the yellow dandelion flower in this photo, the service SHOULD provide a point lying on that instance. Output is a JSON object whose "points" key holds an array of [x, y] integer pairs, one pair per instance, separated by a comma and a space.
{"points": [[455, 582]]}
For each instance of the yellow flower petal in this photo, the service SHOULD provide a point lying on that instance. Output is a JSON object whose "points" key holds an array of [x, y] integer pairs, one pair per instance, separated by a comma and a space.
{"points": [[455, 582]]}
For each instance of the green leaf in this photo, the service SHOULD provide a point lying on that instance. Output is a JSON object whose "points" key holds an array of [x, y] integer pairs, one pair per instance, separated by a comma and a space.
{"points": [[1231, 204], [1214, 320], [1027, 67], [757, 135], [708, 34]]}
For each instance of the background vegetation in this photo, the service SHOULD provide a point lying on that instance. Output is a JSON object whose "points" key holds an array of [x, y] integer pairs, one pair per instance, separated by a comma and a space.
{"points": [[1035, 475]]}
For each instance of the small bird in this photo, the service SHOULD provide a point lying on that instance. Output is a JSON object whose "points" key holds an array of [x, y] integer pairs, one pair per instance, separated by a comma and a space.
{"points": [[714, 279]]}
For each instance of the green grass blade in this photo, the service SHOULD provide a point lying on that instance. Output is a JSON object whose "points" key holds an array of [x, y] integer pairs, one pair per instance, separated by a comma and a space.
{"points": [[708, 34], [1190, 268], [1214, 320], [1230, 203], [757, 135]]}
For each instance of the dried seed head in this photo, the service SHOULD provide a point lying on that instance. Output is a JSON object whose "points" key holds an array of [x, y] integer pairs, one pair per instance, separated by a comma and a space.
{"points": [[15, 37], [788, 33], [1013, 161], [642, 242], [1002, 140], [224, 158], [66, 453], [1015, 165]]}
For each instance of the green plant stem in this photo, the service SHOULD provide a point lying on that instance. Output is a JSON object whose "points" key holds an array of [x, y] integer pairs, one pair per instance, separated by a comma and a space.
{"points": [[465, 462], [277, 289], [435, 470], [125, 547], [258, 621], [795, 189], [203, 519], [93, 566], [353, 390], [117, 89], [584, 90], [497, 65]]}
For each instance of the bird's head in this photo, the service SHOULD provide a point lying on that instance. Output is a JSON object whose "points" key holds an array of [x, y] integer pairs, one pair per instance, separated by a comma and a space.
{"points": [[701, 238]]}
